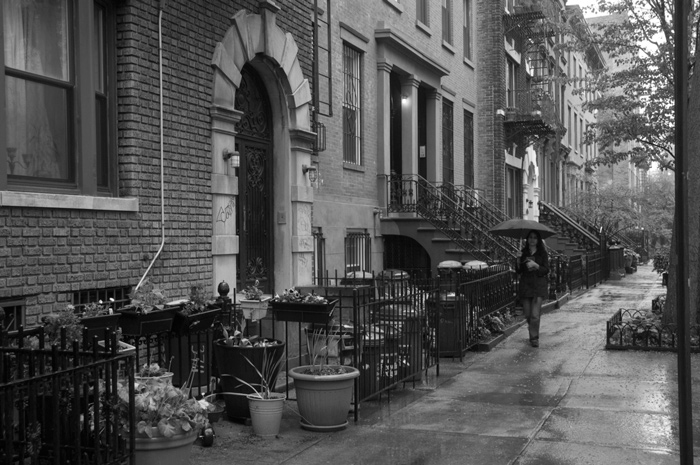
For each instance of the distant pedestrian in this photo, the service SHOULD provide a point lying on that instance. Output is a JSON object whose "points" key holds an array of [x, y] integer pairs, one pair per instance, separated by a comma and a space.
{"points": [[533, 269]]}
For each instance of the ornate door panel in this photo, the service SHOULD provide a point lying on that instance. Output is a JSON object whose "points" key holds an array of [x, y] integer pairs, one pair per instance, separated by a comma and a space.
{"points": [[254, 213]]}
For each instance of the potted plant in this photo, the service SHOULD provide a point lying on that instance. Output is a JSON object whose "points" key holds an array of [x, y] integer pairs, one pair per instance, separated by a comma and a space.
{"points": [[166, 421], [197, 314], [147, 312], [293, 305], [154, 373], [239, 360], [266, 406], [324, 392], [97, 317], [254, 306]]}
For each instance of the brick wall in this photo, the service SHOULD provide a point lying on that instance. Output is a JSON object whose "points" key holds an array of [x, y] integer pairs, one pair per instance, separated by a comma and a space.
{"points": [[490, 158], [46, 255]]}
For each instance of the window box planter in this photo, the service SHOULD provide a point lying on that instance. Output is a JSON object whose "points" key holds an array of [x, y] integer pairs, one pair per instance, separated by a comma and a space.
{"points": [[135, 323], [255, 309], [96, 325], [196, 322], [304, 312]]}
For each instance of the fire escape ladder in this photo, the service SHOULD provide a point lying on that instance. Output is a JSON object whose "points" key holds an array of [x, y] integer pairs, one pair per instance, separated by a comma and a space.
{"points": [[565, 225]]}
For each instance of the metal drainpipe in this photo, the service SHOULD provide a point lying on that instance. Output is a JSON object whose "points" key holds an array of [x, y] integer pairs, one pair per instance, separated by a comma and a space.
{"points": [[162, 184]]}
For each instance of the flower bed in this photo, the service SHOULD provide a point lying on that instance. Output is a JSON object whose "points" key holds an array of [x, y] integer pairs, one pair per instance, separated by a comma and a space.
{"points": [[642, 330]]}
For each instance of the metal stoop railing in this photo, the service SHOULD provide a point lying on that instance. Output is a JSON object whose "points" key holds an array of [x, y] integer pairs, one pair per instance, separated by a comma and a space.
{"points": [[557, 219], [451, 213]]}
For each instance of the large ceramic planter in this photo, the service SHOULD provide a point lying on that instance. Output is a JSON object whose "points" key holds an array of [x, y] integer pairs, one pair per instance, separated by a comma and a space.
{"points": [[135, 323], [231, 363], [304, 312], [254, 309], [323, 400], [266, 414], [164, 451], [198, 322], [97, 325]]}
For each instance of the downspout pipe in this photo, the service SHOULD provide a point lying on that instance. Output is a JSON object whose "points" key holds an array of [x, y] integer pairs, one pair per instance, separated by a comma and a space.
{"points": [[162, 183]]}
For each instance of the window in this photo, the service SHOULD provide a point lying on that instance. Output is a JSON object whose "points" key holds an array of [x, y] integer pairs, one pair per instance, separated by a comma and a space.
{"points": [[319, 262], [568, 127], [358, 255], [60, 110], [514, 192], [448, 165], [447, 21], [422, 12], [511, 70], [14, 315], [119, 294], [468, 149], [574, 70], [352, 97], [580, 139], [467, 29]]}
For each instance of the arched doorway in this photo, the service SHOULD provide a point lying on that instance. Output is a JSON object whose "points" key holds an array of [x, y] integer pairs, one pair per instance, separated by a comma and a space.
{"points": [[254, 212]]}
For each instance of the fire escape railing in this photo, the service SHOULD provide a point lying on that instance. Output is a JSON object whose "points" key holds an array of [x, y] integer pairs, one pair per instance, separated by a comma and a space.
{"points": [[451, 211], [558, 220]]}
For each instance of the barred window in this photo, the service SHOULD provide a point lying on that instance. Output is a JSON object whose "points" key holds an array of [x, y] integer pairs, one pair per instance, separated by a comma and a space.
{"points": [[358, 252], [319, 262], [352, 111], [84, 297], [448, 168], [14, 315]]}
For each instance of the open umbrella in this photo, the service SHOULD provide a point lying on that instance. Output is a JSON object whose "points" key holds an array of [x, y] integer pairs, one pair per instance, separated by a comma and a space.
{"points": [[518, 228]]}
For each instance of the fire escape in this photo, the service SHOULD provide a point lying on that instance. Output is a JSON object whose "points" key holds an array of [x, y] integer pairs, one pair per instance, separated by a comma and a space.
{"points": [[535, 113]]}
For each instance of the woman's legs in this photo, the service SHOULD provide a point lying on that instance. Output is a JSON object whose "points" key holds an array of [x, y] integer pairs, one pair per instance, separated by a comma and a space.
{"points": [[532, 308]]}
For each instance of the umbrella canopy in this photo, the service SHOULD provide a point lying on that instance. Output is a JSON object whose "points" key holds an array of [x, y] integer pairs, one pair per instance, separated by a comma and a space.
{"points": [[518, 228]]}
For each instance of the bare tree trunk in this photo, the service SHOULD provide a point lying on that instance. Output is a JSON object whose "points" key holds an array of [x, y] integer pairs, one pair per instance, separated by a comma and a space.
{"points": [[692, 252]]}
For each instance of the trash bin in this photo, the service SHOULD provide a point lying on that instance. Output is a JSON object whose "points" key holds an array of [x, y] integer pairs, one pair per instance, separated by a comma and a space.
{"points": [[392, 284], [449, 272]]}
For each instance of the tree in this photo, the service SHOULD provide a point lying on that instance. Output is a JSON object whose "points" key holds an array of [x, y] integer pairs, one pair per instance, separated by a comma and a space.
{"points": [[636, 104]]}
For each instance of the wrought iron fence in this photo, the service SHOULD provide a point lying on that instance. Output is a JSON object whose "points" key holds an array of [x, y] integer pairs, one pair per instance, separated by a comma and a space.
{"points": [[631, 330], [55, 405], [594, 269], [575, 272]]}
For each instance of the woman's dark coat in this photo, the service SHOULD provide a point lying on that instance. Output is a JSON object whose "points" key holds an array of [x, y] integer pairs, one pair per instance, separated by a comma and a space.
{"points": [[534, 283]]}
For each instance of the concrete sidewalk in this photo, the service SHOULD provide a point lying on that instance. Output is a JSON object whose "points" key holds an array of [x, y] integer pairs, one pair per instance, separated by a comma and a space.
{"points": [[567, 402]]}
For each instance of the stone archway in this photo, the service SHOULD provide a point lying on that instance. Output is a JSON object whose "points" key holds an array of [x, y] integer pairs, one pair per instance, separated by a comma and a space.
{"points": [[258, 41]]}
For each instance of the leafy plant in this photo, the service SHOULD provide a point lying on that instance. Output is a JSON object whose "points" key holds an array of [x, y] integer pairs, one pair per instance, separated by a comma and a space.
{"points": [[253, 292], [198, 301], [152, 370], [267, 374], [147, 298], [294, 296], [319, 343], [53, 323], [97, 309], [160, 409], [661, 261]]}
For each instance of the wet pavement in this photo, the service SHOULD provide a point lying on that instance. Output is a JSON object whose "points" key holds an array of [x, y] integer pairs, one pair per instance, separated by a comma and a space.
{"points": [[567, 402]]}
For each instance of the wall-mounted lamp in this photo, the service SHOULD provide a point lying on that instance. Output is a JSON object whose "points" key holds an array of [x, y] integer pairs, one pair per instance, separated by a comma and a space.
{"points": [[404, 97], [311, 170], [501, 112], [233, 157]]}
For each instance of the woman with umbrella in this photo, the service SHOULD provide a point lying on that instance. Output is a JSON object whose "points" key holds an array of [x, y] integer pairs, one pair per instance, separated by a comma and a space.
{"points": [[533, 268]]}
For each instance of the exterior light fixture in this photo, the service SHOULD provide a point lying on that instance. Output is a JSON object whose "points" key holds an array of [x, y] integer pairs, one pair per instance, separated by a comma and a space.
{"points": [[233, 157], [312, 171], [500, 112]]}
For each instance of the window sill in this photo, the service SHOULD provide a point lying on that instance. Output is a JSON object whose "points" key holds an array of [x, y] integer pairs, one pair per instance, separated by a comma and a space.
{"points": [[72, 202], [424, 27], [395, 4], [353, 167], [469, 63], [448, 47]]}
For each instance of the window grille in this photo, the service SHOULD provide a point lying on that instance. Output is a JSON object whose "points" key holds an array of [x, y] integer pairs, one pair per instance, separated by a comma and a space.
{"points": [[358, 252], [352, 109], [319, 262], [14, 314], [119, 294]]}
